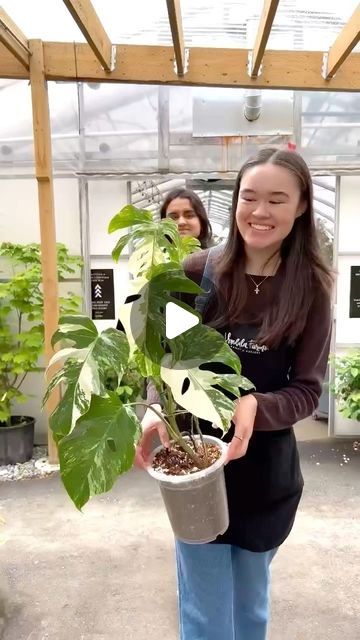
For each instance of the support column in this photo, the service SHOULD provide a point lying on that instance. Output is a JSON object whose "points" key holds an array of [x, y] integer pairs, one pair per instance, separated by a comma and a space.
{"points": [[44, 177]]}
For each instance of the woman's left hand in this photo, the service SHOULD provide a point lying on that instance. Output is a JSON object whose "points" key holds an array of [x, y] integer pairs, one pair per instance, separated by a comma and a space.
{"points": [[243, 419]]}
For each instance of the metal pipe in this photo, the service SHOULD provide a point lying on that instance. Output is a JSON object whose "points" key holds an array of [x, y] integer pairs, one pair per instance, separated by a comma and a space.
{"points": [[297, 114], [163, 128], [330, 125], [252, 107], [332, 404], [326, 202], [84, 216], [318, 183]]}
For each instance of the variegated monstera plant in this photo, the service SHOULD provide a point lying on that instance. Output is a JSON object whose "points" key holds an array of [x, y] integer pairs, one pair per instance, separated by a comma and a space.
{"points": [[95, 430]]}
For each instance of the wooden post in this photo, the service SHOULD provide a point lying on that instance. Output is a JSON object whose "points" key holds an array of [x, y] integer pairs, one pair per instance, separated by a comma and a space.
{"points": [[43, 171]]}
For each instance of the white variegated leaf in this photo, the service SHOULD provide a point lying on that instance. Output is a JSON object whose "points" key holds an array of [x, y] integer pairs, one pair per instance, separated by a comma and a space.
{"points": [[70, 352], [133, 313], [99, 449], [146, 255], [193, 389]]}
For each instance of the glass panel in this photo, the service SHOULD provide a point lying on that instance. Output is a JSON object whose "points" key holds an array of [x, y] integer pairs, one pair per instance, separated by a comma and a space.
{"points": [[309, 25], [330, 124], [135, 22], [45, 19], [299, 24], [16, 133]]}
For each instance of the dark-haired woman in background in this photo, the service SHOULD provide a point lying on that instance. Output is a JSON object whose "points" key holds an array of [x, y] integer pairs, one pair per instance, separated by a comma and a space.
{"points": [[187, 210]]}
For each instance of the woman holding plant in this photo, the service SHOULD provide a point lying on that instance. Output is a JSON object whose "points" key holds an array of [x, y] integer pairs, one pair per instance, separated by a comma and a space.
{"points": [[277, 318]]}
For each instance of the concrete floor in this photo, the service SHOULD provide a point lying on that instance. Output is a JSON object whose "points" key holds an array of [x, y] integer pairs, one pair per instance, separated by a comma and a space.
{"points": [[109, 573]]}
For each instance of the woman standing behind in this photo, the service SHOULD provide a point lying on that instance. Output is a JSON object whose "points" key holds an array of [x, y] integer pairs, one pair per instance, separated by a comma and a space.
{"points": [[277, 318], [187, 210]]}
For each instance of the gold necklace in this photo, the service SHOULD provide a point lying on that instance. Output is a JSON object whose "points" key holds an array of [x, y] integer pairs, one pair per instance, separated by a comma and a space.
{"points": [[257, 285]]}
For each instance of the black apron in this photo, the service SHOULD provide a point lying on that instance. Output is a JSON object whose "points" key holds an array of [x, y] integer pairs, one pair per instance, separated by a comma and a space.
{"points": [[265, 486]]}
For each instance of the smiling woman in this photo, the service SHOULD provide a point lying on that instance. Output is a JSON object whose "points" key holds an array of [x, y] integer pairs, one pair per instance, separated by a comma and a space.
{"points": [[269, 202], [277, 318]]}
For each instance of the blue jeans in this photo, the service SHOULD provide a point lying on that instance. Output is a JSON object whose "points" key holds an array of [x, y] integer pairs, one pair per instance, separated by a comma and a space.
{"points": [[223, 592]]}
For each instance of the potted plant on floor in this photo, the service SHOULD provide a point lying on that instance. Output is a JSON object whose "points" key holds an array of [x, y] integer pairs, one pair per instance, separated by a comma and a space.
{"points": [[97, 430], [22, 338], [347, 384]]}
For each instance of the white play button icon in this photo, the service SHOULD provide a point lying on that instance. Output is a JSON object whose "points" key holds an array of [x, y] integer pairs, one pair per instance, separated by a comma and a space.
{"points": [[178, 320]]}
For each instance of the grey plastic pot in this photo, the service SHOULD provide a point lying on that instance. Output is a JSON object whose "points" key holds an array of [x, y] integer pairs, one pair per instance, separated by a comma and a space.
{"points": [[196, 503], [17, 441]]}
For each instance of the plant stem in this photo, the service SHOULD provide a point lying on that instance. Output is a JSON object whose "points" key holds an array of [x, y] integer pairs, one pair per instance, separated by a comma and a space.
{"points": [[197, 425], [172, 428], [22, 380], [159, 415], [170, 412]]}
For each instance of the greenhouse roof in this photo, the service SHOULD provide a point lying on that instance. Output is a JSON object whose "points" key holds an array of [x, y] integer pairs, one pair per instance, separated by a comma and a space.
{"points": [[295, 44]]}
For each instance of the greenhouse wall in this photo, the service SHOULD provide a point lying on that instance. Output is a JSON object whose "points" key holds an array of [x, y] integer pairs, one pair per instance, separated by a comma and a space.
{"points": [[346, 335]]}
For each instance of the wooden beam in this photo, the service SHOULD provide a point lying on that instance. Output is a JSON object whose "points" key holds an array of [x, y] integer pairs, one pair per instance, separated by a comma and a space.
{"points": [[90, 25], [209, 67], [174, 11], [13, 39], [43, 172], [141, 64], [343, 45], [265, 23], [10, 67]]}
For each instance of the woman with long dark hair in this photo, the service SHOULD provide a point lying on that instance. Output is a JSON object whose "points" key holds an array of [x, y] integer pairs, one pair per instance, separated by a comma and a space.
{"points": [[187, 210], [277, 317]]}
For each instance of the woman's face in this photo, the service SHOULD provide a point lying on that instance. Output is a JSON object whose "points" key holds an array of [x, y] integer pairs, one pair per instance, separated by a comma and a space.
{"points": [[268, 204], [182, 212]]}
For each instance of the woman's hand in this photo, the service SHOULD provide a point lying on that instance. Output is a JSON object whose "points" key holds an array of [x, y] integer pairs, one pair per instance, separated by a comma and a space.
{"points": [[151, 424], [243, 419]]}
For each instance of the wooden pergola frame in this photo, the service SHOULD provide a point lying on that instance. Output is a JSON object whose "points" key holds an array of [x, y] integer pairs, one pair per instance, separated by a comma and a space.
{"points": [[100, 60]]}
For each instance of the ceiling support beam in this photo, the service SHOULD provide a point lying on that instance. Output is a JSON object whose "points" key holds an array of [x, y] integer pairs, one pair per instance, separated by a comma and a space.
{"points": [[145, 64], [343, 46], [14, 40], [174, 11], [265, 23], [91, 27]]}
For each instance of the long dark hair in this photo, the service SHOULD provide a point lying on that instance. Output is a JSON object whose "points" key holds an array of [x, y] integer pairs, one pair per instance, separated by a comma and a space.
{"points": [[205, 226], [304, 270]]}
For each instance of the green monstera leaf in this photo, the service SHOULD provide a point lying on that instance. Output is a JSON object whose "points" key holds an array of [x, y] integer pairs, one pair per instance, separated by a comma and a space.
{"points": [[194, 386], [77, 329], [99, 449], [153, 242], [143, 312], [85, 370]]}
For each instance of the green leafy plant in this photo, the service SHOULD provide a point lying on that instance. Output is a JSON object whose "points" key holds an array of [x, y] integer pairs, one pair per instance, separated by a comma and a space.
{"points": [[21, 317], [95, 427], [347, 384], [131, 386]]}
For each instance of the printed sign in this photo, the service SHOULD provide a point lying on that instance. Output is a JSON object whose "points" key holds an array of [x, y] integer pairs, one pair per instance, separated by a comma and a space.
{"points": [[355, 292], [102, 294]]}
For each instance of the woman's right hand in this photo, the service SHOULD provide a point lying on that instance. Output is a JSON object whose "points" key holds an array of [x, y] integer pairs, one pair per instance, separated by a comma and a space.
{"points": [[151, 424]]}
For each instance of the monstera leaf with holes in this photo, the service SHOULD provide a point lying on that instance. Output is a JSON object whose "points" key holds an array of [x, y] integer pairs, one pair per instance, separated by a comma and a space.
{"points": [[153, 242], [143, 312], [95, 431], [187, 371], [85, 367]]}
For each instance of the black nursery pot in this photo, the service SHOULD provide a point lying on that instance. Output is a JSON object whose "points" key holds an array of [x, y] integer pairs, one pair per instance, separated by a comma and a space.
{"points": [[17, 441]]}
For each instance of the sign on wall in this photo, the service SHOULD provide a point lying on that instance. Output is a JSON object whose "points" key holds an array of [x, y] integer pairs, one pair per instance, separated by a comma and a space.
{"points": [[355, 292], [102, 294]]}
